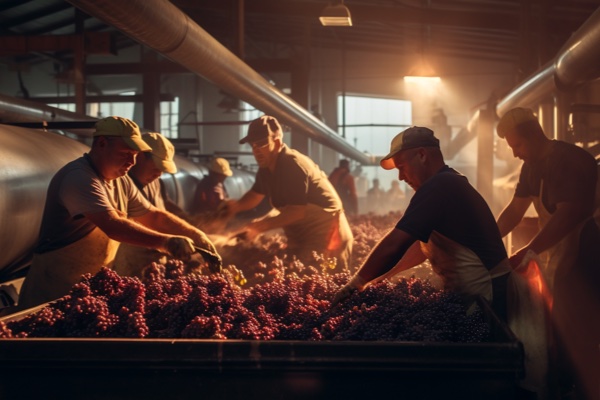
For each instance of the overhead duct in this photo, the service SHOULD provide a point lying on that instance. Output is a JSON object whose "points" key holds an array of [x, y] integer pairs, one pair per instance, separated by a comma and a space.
{"points": [[576, 63], [162, 26], [14, 109]]}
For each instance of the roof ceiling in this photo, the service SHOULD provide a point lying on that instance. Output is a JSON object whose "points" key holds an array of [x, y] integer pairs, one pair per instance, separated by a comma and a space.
{"points": [[526, 33]]}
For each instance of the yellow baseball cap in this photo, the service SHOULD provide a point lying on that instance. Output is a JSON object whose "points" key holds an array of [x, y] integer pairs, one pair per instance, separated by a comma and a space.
{"points": [[124, 128], [220, 166], [162, 151]]}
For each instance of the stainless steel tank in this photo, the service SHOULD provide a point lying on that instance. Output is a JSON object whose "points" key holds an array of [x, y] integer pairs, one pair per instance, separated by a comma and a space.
{"points": [[28, 160], [181, 186]]}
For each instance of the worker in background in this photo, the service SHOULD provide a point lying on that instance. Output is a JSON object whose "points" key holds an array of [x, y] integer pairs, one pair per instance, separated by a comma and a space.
{"points": [[210, 195], [448, 223], [395, 197], [211, 191], [131, 259], [343, 182], [91, 206], [559, 179], [375, 197], [306, 206]]}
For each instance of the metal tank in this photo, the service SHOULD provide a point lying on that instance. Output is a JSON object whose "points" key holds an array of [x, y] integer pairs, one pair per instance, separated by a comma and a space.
{"points": [[28, 160], [181, 186]]}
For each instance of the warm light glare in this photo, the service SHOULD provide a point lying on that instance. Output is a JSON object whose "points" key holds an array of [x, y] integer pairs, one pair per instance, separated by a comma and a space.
{"points": [[336, 15], [422, 79]]}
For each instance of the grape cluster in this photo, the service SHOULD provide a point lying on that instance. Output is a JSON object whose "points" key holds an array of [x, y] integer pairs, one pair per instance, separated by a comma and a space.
{"points": [[171, 304], [262, 294], [103, 305]]}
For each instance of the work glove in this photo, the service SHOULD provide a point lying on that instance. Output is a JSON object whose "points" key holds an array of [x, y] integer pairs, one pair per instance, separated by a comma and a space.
{"points": [[209, 253], [180, 247], [356, 283], [214, 261]]}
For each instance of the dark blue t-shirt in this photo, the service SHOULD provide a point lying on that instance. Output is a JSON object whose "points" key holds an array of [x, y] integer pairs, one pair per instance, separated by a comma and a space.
{"points": [[449, 205]]}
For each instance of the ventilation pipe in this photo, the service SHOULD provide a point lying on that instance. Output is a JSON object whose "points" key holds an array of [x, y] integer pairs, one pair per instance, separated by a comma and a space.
{"points": [[14, 109], [576, 63], [166, 29]]}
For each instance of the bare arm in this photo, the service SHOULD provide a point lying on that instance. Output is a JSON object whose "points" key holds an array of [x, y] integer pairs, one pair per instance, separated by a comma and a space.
{"points": [[564, 220], [118, 227], [287, 215], [387, 253], [413, 257], [512, 214], [166, 222], [247, 202]]}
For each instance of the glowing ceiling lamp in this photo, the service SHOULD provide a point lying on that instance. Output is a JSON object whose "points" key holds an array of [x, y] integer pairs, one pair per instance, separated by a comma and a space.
{"points": [[336, 15], [422, 72]]}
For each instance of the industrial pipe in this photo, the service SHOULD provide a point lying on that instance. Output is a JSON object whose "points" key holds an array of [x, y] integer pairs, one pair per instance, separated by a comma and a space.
{"points": [[28, 160], [575, 63], [165, 28], [14, 109]]}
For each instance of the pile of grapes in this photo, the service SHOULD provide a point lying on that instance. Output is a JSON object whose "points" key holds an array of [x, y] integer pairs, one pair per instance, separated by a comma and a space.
{"points": [[171, 304], [251, 261]]}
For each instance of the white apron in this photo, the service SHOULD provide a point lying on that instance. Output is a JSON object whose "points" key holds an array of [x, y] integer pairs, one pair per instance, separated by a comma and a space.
{"points": [[52, 274], [463, 272]]}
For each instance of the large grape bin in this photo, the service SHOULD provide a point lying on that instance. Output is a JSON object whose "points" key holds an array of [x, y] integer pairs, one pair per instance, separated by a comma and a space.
{"points": [[255, 369]]}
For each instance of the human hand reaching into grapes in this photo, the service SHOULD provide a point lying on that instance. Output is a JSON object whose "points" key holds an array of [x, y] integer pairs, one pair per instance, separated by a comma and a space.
{"points": [[356, 283], [180, 247], [342, 294]]}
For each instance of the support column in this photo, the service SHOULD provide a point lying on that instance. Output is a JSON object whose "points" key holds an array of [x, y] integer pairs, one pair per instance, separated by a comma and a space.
{"points": [[151, 92], [79, 65], [485, 154], [300, 93]]}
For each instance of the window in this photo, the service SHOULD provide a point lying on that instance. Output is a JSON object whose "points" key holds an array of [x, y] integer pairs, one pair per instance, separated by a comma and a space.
{"points": [[371, 123], [169, 118]]}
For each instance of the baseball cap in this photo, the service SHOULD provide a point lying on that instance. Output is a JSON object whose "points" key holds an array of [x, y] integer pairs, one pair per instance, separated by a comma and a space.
{"points": [[220, 166], [261, 128], [411, 138], [515, 118], [162, 151], [124, 128]]}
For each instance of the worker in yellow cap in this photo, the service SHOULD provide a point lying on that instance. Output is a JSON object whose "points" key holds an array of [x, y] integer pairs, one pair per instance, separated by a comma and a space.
{"points": [[91, 206], [131, 259], [559, 179], [211, 191]]}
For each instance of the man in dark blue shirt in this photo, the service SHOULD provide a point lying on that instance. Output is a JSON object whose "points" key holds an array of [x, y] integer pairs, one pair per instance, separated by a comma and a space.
{"points": [[447, 222]]}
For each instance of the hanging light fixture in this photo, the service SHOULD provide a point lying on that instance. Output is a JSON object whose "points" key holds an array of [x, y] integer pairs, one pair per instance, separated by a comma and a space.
{"points": [[336, 14], [422, 71]]}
